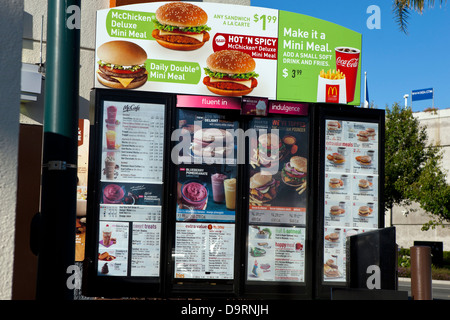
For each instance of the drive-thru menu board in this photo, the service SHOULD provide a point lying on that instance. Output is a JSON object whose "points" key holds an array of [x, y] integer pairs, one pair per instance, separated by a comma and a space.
{"points": [[351, 189], [131, 189], [277, 199], [206, 195]]}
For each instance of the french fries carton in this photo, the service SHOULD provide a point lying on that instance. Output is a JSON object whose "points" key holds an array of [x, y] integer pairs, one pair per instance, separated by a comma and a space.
{"points": [[331, 87]]}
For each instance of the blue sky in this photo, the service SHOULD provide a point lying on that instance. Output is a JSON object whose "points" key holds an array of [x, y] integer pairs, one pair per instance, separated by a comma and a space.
{"points": [[395, 63]]}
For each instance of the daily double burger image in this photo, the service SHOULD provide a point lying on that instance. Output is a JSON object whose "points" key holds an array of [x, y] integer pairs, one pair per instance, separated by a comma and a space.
{"points": [[263, 188], [181, 26], [121, 65], [230, 73], [294, 172]]}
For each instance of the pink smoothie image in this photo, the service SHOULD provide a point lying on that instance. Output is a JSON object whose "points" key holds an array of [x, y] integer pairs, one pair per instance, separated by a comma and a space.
{"points": [[113, 194], [195, 195], [111, 113], [217, 187]]}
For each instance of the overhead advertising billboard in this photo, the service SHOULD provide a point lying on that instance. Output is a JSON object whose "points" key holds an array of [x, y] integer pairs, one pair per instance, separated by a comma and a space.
{"points": [[270, 53]]}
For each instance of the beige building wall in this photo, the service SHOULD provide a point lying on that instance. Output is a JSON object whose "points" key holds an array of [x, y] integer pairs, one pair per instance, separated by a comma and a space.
{"points": [[10, 44], [408, 226]]}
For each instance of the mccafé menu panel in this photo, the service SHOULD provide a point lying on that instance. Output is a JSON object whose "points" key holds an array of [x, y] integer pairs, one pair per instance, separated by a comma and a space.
{"points": [[131, 189]]}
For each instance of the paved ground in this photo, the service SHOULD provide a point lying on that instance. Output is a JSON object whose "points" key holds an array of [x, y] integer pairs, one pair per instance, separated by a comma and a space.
{"points": [[440, 288]]}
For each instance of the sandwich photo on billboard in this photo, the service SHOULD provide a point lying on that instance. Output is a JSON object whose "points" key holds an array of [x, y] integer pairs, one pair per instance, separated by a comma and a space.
{"points": [[263, 188], [230, 73], [294, 172], [121, 65], [181, 26]]}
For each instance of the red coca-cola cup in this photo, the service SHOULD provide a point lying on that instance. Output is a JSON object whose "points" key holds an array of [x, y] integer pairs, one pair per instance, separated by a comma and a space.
{"points": [[347, 61]]}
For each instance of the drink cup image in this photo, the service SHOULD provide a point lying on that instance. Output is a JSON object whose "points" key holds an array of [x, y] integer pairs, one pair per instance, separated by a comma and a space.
{"points": [[110, 125], [110, 139], [347, 61], [107, 236], [217, 187], [110, 165], [230, 193], [111, 113]]}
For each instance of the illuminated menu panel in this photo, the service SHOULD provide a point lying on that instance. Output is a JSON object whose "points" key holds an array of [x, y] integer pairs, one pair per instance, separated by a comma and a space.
{"points": [[351, 189], [131, 187]]}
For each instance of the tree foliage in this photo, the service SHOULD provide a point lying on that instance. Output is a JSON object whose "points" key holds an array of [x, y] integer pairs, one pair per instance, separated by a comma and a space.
{"points": [[402, 9], [413, 167]]}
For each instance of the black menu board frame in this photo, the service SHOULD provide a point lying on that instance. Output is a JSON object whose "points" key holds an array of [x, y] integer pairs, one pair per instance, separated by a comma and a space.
{"points": [[280, 284], [105, 283], [350, 114], [198, 222]]}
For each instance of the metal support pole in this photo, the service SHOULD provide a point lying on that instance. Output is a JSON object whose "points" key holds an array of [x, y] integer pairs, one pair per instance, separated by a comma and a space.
{"points": [[56, 250], [421, 283]]}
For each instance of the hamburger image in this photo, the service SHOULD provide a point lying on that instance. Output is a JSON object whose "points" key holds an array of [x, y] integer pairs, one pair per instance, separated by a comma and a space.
{"points": [[332, 237], [212, 142], [338, 158], [364, 160], [363, 184], [335, 183], [364, 211], [121, 65], [330, 269], [230, 73], [336, 210], [181, 26], [271, 148], [370, 131], [294, 172], [363, 136], [263, 188], [334, 125]]}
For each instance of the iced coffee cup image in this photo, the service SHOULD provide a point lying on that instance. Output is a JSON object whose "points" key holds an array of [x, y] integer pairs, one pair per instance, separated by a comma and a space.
{"points": [[194, 195], [347, 61], [230, 193], [110, 166], [106, 236], [113, 194]]}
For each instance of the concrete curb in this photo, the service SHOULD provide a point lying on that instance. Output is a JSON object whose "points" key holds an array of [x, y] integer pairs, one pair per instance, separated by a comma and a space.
{"points": [[433, 281]]}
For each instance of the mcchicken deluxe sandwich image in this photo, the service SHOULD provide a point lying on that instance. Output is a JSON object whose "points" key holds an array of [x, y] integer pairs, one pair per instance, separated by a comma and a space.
{"points": [[230, 73], [121, 65], [294, 172], [181, 26], [263, 188]]}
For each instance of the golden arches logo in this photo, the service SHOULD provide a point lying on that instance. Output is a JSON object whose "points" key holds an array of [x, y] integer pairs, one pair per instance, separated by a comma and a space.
{"points": [[332, 91]]}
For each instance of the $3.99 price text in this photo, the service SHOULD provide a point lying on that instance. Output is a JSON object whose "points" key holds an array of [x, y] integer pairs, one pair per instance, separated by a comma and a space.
{"points": [[294, 72]]}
